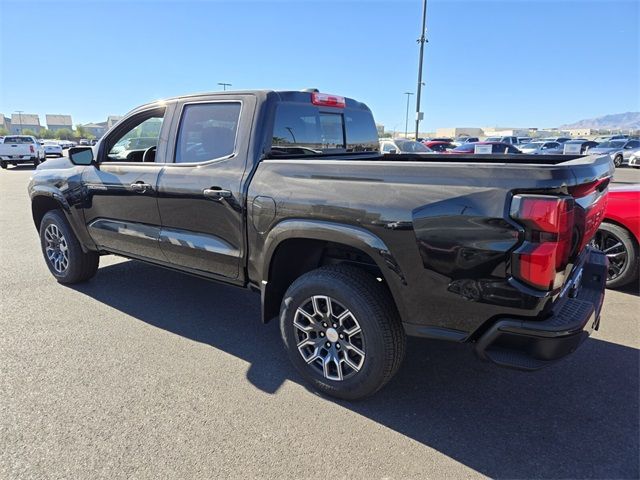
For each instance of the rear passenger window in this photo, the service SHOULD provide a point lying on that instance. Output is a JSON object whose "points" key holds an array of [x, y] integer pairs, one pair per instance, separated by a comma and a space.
{"points": [[207, 131], [305, 130]]}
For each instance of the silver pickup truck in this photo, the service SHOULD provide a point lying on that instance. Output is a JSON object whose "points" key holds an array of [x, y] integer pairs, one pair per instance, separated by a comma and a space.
{"points": [[19, 149]]}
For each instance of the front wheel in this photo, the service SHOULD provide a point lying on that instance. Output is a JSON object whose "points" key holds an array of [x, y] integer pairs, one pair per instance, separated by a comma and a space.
{"points": [[3, 165], [617, 161], [62, 251], [342, 331], [620, 247]]}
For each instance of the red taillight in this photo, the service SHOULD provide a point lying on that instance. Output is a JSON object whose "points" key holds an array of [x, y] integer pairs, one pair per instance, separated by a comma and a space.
{"points": [[32, 149], [326, 100], [593, 213], [549, 225]]}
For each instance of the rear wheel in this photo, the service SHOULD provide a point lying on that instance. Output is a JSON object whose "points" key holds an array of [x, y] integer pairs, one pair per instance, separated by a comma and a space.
{"points": [[342, 331], [620, 247], [36, 161], [3, 165], [62, 251]]}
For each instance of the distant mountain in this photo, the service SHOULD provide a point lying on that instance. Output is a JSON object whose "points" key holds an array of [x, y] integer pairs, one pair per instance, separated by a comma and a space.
{"points": [[624, 121]]}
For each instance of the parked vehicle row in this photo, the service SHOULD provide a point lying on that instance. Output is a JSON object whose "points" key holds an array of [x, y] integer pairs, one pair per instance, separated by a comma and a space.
{"points": [[619, 150]]}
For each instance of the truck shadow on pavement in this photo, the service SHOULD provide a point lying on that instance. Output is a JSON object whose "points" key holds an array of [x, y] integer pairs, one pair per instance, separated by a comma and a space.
{"points": [[577, 419]]}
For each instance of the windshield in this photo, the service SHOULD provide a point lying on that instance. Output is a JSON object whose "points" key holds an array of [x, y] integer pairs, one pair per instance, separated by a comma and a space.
{"points": [[613, 144], [409, 146]]}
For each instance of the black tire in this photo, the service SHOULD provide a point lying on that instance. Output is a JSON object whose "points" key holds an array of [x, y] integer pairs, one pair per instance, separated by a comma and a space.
{"points": [[3, 165], [617, 161], [618, 276], [383, 338], [81, 266], [36, 162]]}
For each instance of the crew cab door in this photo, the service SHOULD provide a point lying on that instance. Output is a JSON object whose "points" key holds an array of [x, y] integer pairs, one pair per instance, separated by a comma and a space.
{"points": [[122, 209], [200, 189]]}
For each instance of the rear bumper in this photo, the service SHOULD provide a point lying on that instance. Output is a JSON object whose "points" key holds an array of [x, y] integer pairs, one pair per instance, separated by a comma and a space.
{"points": [[22, 159], [531, 345]]}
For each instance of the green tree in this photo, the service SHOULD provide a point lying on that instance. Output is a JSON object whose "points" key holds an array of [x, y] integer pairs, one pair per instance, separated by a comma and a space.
{"points": [[81, 132], [46, 133], [64, 134], [28, 131], [4, 132]]}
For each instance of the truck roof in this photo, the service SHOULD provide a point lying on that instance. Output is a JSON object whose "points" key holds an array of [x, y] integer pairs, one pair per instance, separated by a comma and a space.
{"points": [[284, 95]]}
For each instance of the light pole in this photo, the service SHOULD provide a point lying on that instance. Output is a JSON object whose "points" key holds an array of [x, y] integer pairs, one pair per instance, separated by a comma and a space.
{"points": [[422, 40], [19, 112], [224, 85], [406, 118]]}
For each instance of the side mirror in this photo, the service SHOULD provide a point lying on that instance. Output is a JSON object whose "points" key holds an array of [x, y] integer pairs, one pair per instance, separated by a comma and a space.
{"points": [[81, 155]]}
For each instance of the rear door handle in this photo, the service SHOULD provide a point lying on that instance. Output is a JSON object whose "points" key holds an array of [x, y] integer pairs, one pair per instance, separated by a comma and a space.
{"points": [[140, 187], [216, 193]]}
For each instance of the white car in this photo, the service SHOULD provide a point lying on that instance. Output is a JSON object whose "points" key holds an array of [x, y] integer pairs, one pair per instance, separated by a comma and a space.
{"points": [[52, 148], [403, 146], [542, 148], [634, 160], [66, 144]]}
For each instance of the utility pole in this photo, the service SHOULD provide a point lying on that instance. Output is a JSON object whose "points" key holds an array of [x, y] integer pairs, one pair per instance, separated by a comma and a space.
{"points": [[422, 40], [224, 86], [19, 112], [406, 118]]}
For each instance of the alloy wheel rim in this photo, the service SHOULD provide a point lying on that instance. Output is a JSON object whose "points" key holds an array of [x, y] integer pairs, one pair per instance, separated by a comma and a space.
{"points": [[614, 249], [329, 338], [56, 248]]}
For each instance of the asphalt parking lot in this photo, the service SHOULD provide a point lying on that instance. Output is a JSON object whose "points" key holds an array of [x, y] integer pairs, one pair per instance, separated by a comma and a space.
{"points": [[147, 373]]}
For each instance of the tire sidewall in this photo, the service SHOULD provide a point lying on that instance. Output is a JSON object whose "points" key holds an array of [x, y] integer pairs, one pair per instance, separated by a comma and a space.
{"points": [[617, 161], [56, 217], [369, 376]]}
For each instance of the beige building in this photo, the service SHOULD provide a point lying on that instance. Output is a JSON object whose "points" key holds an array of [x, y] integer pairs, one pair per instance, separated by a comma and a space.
{"points": [[25, 121], [454, 132], [506, 132], [58, 122], [581, 132], [112, 120], [5, 122]]}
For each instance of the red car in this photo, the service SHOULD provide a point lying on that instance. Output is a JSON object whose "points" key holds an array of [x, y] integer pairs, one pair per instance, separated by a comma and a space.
{"points": [[619, 235], [439, 146]]}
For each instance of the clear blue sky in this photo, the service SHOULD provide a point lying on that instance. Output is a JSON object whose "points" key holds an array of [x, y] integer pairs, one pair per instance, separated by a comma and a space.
{"points": [[507, 63]]}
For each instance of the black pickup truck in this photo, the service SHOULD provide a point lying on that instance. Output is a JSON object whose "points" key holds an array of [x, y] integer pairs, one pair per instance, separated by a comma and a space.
{"points": [[287, 194]]}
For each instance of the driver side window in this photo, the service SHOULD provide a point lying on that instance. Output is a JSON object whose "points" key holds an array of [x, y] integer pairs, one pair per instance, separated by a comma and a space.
{"points": [[138, 141]]}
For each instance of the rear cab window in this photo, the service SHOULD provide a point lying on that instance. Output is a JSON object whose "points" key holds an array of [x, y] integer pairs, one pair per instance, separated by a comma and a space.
{"points": [[306, 129], [19, 140]]}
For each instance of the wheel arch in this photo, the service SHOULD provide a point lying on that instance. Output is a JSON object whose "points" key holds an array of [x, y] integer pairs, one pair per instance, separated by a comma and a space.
{"points": [[295, 247], [45, 200]]}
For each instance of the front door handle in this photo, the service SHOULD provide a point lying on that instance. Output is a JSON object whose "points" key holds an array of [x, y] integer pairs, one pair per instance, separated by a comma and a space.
{"points": [[216, 193], [140, 187]]}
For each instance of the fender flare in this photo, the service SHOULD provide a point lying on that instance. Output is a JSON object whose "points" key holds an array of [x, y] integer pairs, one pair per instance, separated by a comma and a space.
{"points": [[350, 235], [58, 196]]}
